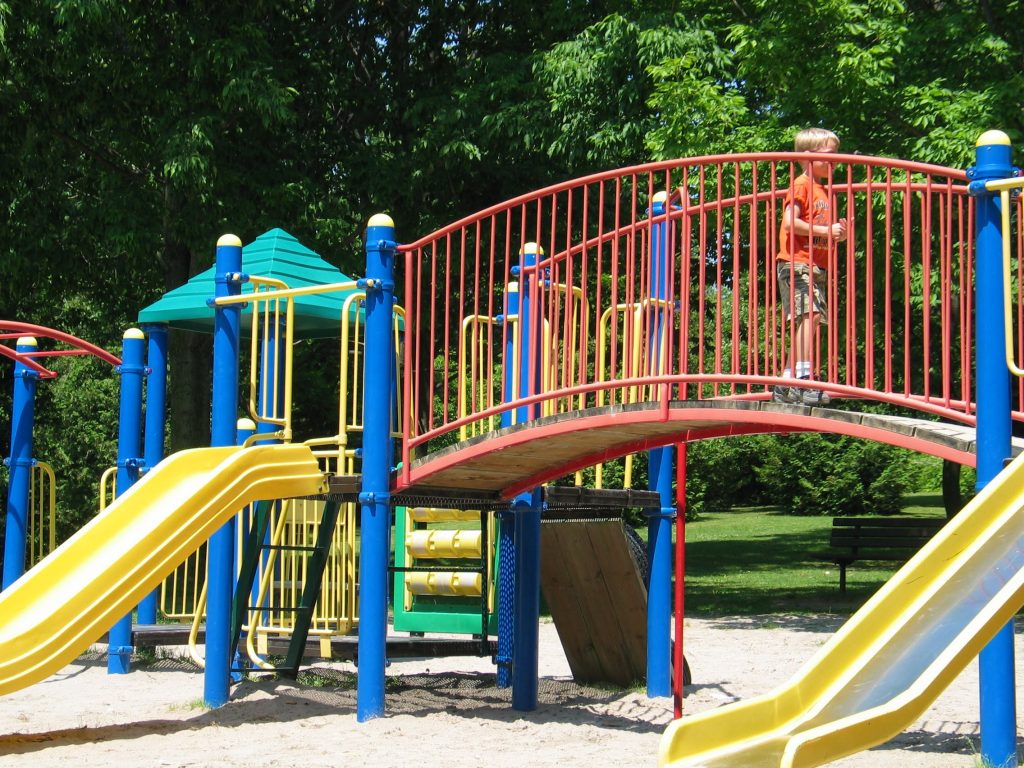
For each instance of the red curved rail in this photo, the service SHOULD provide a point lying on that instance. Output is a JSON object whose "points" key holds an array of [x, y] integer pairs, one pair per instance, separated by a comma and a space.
{"points": [[899, 328], [11, 329]]}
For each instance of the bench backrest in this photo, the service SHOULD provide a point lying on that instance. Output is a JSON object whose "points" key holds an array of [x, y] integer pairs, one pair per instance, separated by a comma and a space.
{"points": [[883, 532]]}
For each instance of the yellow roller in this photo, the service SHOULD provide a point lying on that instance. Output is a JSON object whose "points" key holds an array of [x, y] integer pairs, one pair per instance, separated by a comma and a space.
{"points": [[440, 514], [445, 583], [427, 543]]}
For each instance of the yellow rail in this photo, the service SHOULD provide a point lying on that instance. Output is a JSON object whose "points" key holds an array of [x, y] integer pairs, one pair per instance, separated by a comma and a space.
{"points": [[1003, 187], [42, 521]]}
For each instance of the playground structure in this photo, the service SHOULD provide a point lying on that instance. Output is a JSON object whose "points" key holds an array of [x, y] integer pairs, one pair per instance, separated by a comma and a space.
{"points": [[629, 311]]}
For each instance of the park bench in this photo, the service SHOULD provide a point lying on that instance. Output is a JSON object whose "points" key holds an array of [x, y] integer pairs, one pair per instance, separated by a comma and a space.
{"points": [[877, 538]]}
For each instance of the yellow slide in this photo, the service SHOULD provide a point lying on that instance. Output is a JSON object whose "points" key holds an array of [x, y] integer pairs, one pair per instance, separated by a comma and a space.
{"points": [[883, 668], [60, 607]]}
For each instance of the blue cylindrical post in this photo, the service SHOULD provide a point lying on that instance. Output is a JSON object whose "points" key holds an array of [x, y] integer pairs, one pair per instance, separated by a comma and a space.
{"points": [[996, 669], [526, 507], [156, 416], [20, 462], [659, 475], [374, 498], [129, 453], [224, 414]]}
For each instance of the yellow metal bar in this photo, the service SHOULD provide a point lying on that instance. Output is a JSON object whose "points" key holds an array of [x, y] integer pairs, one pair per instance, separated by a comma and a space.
{"points": [[42, 493], [108, 487], [999, 185], [286, 293], [1004, 200], [479, 384]]}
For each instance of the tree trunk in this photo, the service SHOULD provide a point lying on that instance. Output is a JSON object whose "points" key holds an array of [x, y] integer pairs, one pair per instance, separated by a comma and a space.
{"points": [[951, 498], [189, 359]]}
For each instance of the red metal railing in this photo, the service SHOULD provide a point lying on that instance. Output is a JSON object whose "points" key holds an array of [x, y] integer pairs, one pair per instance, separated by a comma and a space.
{"points": [[898, 327]]}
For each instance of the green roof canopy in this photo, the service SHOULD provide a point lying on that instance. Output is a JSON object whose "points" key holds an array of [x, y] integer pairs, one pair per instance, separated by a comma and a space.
{"points": [[273, 254]]}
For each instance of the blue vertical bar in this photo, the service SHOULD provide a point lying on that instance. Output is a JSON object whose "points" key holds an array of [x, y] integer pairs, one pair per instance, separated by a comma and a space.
{"points": [[526, 507], [659, 478], [20, 462], [156, 416], [996, 671], [221, 548], [374, 498], [129, 450]]}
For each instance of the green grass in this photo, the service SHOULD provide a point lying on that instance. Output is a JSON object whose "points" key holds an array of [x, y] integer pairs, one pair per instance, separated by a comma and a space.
{"points": [[755, 561]]}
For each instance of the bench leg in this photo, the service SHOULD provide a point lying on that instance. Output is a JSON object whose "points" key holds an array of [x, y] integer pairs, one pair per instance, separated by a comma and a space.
{"points": [[842, 578]]}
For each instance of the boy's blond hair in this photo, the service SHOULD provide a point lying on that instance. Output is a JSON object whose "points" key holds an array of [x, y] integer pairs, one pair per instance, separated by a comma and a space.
{"points": [[810, 139]]}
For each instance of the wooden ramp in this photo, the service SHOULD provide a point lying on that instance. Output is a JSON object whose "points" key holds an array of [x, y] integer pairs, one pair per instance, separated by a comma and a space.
{"points": [[597, 599]]}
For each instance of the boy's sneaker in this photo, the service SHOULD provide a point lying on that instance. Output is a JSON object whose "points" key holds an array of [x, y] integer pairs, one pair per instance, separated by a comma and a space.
{"points": [[800, 396]]}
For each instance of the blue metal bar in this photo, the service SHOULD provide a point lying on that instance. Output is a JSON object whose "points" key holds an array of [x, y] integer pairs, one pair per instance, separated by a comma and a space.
{"points": [[659, 477], [20, 463], [526, 507], [221, 548], [156, 418], [374, 498], [129, 450], [996, 670]]}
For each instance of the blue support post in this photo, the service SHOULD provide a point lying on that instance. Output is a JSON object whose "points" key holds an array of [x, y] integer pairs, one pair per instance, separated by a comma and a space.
{"points": [[526, 507], [156, 417], [659, 477], [129, 450], [374, 498], [20, 463], [996, 670], [221, 548]]}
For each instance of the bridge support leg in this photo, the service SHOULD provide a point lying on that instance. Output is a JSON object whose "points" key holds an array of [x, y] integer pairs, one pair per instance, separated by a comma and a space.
{"points": [[659, 587], [527, 509]]}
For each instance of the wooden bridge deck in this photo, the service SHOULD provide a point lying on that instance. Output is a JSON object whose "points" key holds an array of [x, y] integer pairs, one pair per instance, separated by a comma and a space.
{"points": [[514, 459]]}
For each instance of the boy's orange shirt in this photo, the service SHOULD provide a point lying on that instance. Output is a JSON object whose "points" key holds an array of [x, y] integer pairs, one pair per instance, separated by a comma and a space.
{"points": [[809, 196]]}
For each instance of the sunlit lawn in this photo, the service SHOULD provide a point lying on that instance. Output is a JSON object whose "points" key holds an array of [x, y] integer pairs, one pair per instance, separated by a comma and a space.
{"points": [[759, 560]]}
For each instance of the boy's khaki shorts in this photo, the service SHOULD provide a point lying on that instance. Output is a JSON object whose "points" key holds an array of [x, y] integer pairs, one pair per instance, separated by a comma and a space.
{"points": [[803, 302]]}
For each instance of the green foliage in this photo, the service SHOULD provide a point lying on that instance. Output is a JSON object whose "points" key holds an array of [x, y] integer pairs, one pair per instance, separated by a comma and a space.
{"points": [[836, 475], [136, 134]]}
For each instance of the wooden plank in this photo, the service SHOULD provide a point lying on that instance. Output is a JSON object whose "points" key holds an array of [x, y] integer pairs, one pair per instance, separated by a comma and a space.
{"points": [[602, 606], [566, 609], [628, 596]]}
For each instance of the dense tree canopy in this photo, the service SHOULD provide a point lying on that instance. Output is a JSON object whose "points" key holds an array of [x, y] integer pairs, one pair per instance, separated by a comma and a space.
{"points": [[135, 133]]}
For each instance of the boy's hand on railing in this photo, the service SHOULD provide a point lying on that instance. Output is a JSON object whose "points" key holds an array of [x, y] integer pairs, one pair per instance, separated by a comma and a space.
{"points": [[839, 231]]}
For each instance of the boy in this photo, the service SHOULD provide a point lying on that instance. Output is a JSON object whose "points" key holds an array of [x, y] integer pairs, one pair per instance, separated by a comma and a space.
{"points": [[807, 241]]}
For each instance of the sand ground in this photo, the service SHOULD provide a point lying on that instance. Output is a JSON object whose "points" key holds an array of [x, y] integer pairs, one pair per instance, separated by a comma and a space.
{"points": [[441, 712]]}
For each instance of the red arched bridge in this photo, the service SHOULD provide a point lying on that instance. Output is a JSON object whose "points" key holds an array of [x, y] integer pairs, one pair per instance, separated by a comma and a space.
{"points": [[648, 313]]}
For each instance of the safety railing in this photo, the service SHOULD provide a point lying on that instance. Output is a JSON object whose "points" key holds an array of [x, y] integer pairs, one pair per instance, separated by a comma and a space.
{"points": [[686, 290], [42, 519]]}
